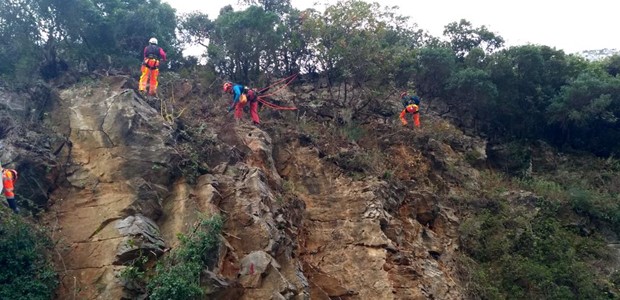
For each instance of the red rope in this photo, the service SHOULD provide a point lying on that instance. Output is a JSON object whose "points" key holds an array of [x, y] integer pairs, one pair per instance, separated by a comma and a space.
{"points": [[279, 81], [287, 82], [274, 106]]}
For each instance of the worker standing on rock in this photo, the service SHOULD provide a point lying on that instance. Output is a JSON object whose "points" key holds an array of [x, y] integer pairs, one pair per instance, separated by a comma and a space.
{"points": [[9, 176], [241, 96], [411, 105], [150, 66]]}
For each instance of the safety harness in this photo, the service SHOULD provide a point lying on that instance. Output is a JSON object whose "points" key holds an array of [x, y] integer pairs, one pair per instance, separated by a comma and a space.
{"points": [[151, 57]]}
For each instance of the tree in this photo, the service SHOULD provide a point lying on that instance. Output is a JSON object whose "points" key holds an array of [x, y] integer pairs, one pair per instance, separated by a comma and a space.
{"points": [[133, 22], [46, 34], [293, 50], [434, 66], [527, 78], [587, 112], [196, 29], [244, 43], [464, 37], [362, 46], [612, 65], [20, 40], [279, 7], [473, 94]]}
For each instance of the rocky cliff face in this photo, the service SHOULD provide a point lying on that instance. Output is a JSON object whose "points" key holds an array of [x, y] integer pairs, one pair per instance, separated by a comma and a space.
{"points": [[118, 169], [367, 238], [301, 222]]}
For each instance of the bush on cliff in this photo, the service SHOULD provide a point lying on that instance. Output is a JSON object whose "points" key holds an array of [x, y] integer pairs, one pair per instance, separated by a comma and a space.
{"points": [[26, 271]]}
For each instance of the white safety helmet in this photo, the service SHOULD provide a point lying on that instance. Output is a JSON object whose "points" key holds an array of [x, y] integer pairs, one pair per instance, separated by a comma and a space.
{"points": [[153, 41]]}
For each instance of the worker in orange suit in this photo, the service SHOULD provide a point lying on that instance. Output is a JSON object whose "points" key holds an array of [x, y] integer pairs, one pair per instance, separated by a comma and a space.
{"points": [[414, 109], [153, 54], [242, 95], [8, 182]]}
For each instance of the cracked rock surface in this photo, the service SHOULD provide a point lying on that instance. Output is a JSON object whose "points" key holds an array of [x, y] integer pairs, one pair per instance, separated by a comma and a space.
{"points": [[296, 226], [118, 169]]}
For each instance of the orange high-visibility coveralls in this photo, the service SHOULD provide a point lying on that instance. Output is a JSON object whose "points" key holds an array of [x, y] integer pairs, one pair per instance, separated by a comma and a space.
{"points": [[150, 68], [8, 181], [415, 111], [252, 100]]}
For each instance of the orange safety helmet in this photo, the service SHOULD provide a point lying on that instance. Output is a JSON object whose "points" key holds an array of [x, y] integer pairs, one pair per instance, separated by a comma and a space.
{"points": [[227, 87], [403, 94]]}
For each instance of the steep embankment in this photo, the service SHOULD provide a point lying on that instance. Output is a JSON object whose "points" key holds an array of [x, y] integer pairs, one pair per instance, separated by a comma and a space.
{"points": [[370, 238], [309, 212]]}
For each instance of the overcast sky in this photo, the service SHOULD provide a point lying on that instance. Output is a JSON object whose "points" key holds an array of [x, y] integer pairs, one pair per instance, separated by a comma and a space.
{"points": [[573, 25]]}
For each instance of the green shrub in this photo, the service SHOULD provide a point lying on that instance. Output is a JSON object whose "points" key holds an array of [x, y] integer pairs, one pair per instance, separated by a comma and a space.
{"points": [[134, 273], [351, 131], [180, 281], [545, 188], [513, 158], [25, 268], [530, 255], [597, 206], [178, 275], [387, 175]]}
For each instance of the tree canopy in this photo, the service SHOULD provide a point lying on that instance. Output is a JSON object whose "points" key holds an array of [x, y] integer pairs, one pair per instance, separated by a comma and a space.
{"points": [[48, 36], [526, 92]]}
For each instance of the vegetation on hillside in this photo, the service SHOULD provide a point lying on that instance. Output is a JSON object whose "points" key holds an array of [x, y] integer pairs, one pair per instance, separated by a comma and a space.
{"points": [[549, 242], [25, 251], [178, 276], [181, 274]]}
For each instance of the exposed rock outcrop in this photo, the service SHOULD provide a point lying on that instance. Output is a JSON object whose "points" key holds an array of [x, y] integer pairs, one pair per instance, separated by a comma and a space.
{"points": [[368, 239], [118, 171], [296, 225], [29, 145], [261, 246]]}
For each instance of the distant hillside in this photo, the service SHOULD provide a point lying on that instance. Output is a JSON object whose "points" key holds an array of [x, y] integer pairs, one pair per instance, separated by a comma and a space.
{"points": [[593, 55]]}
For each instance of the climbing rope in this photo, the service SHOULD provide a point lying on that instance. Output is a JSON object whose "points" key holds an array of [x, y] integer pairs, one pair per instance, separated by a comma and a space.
{"points": [[287, 81]]}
